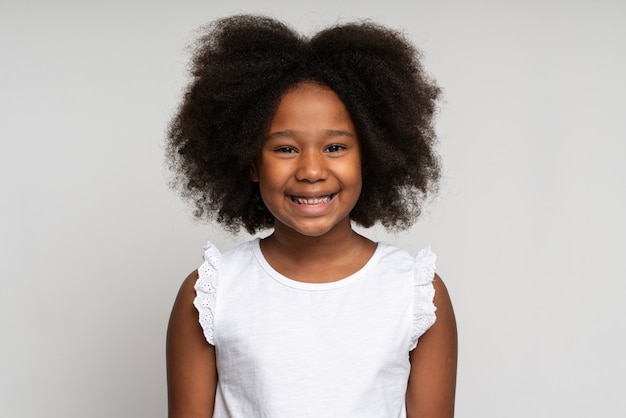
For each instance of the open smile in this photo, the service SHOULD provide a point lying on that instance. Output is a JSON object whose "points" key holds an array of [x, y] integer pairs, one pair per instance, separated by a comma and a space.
{"points": [[317, 200]]}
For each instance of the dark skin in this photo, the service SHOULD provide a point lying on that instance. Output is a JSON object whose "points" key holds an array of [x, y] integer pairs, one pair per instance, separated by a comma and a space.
{"points": [[309, 172], [192, 374], [318, 261], [432, 382], [191, 367]]}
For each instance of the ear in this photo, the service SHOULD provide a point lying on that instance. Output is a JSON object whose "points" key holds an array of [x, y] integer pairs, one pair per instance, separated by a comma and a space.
{"points": [[254, 173]]}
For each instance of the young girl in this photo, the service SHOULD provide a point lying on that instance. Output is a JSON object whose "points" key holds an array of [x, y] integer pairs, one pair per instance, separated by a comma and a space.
{"points": [[305, 136]]}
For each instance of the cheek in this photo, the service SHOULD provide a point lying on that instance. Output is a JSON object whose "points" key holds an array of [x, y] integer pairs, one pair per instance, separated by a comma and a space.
{"points": [[272, 182], [271, 178], [353, 172]]}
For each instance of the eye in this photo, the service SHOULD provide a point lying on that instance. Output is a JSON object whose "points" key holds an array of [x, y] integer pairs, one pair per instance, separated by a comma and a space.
{"points": [[335, 148], [285, 149]]}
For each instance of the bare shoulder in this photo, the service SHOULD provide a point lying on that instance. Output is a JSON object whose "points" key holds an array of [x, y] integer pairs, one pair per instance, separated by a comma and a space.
{"points": [[443, 332], [191, 370], [442, 296], [186, 293], [432, 381], [183, 311]]}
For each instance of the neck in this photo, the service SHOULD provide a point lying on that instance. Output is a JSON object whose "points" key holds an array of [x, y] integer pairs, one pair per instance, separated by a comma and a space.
{"points": [[332, 256], [287, 241]]}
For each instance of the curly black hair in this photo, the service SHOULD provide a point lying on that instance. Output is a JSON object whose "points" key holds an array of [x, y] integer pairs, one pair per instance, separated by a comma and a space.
{"points": [[242, 66]]}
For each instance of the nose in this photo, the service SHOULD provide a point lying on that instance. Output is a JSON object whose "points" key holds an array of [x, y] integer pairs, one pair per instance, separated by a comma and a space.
{"points": [[311, 167]]}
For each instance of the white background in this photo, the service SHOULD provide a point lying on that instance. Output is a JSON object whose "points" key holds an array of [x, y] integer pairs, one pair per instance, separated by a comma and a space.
{"points": [[528, 226]]}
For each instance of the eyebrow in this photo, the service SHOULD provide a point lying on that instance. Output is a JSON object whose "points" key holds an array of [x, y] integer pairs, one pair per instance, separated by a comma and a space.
{"points": [[294, 134]]}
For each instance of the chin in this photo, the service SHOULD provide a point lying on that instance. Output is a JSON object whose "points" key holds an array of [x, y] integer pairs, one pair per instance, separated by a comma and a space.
{"points": [[313, 230]]}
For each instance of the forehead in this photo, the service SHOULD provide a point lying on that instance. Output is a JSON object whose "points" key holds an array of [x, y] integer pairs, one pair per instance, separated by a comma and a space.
{"points": [[308, 105]]}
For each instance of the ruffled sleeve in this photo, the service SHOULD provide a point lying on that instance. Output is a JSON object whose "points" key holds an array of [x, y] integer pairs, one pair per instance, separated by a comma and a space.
{"points": [[206, 288], [423, 308]]}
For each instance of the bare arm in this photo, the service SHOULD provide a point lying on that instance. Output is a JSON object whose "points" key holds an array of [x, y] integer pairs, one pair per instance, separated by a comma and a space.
{"points": [[191, 370], [432, 381]]}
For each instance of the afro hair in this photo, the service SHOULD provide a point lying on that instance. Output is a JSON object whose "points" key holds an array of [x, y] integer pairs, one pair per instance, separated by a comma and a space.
{"points": [[243, 65]]}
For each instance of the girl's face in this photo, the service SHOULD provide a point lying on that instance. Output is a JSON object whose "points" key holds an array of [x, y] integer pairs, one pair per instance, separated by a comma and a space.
{"points": [[309, 167]]}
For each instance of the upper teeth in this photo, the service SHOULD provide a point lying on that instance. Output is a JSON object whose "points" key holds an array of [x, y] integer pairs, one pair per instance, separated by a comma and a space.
{"points": [[312, 200]]}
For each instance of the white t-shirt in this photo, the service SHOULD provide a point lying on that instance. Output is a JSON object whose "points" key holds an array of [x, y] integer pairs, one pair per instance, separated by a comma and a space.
{"points": [[290, 349]]}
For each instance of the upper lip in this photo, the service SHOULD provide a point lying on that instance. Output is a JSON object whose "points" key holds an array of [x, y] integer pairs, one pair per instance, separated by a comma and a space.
{"points": [[311, 195]]}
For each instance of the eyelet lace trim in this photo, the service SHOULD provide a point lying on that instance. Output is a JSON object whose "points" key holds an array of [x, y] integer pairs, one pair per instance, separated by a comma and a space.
{"points": [[424, 308], [206, 287]]}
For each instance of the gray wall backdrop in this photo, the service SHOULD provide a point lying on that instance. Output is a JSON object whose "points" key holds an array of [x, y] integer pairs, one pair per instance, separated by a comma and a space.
{"points": [[529, 225]]}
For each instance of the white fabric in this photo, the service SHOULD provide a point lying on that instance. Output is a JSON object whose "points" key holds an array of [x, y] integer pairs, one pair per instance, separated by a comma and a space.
{"points": [[291, 349]]}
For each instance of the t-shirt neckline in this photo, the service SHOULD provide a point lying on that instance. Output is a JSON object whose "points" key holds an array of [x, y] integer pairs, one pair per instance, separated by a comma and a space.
{"points": [[284, 280]]}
